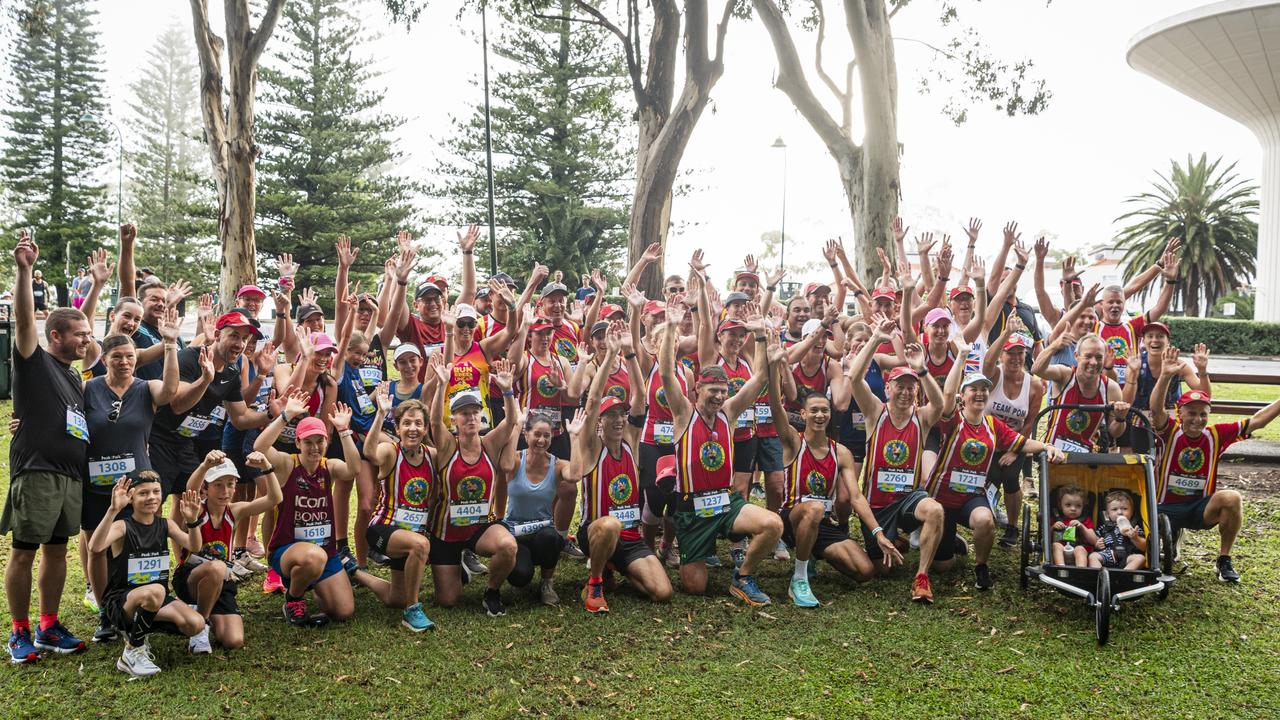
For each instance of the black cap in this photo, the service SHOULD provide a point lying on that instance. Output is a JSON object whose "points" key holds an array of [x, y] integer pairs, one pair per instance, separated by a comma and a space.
{"points": [[505, 279], [425, 289], [306, 310]]}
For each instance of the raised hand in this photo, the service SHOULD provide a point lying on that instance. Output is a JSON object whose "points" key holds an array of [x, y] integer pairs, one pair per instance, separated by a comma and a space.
{"points": [[775, 352], [436, 365], [501, 290], [467, 241], [775, 276], [539, 273], [404, 260], [749, 263], [204, 309], [945, 257], [404, 242], [128, 233], [26, 252], [177, 292], [899, 230], [214, 457], [977, 269], [264, 360], [305, 347], [206, 363], [613, 341], [634, 297], [340, 418], [169, 326], [598, 280], [1011, 234], [972, 230], [829, 250], [1016, 325], [1091, 295], [1022, 252], [346, 254], [697, 263], [307, 296], [99, 269], [1041, 248], [502, 372], [1069, 272], [119, 495], [285, 266], [885, 326], [1170, 362], [258, 461], [295, 403], [282, 302], [915, 356], [382, 397], [574, 426], [1170, 261], [675, 312], [924, 243], [1200, 358], [653, 253]]}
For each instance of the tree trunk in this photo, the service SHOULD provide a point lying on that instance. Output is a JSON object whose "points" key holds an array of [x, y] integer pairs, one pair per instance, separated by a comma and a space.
{"points": [[651, 206], [878, 78]]}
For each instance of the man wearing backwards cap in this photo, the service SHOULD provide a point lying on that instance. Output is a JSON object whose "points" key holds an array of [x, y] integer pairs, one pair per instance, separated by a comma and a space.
{"points": [[426, 329], [1187, 490]]}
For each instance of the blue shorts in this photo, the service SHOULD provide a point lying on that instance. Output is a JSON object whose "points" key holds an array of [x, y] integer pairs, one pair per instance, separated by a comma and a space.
{"points": [[332, 567], [1186, 516], [768, 456]]}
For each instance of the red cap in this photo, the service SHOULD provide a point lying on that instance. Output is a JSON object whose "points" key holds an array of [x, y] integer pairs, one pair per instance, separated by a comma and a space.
{"points": [[1017, 340], [609, 402], [609, 310], [731, 324], [666, 467], [900, 372], [814, 287], [746, 273], [250, 290], [654, 307], [1157, 326], [439, 281], [309, 426], [540, 323], [883, 292], [235, 319], [1194, 396], [959, 290]]}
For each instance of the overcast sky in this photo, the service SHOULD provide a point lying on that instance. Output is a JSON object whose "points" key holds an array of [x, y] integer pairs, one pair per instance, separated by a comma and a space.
{"points": [[1066, 171]]}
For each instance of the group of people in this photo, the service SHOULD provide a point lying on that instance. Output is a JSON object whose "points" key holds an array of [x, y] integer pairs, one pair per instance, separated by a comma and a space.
{"points": [[514, 410]]}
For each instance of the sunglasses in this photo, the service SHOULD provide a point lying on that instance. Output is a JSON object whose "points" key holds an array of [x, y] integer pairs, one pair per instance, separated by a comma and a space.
{"points": [[466, 323], [674, 290], [114, 415]]}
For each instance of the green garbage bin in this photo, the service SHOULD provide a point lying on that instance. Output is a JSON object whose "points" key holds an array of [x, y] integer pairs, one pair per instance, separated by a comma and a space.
{"points": [[6, 352]]}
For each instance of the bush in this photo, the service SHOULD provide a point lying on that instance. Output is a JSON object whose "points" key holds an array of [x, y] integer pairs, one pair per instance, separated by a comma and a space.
{"points": [[1244, 306], [1226, 337]]}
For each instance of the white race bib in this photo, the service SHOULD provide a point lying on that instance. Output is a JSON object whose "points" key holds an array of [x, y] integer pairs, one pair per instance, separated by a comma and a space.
{"points": [[1122, 371], [969, 483], [193, 425], [364, 402], [107, 471], [746, 419], [858, 421], [410, 519], [462, 514], [826, 502], [628, 515], [711, 503], [318, 534], [1066, 445], [1187, 484], [370, 375], [77, 427], [528, 528], [764, 413], [663, 433], [143, 570], [893, 481], [218, 414]]}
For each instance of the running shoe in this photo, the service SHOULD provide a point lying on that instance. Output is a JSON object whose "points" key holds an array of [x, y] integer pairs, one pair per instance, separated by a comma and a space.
{"points": [[713, 561], [593, 598], [378, 558], [21, 649], [137, 661], [1002, 516], [571, 548], [1226, 571], [962, 547], [757, 491], [493, 603], [801, 594], [1010, 537], [198, 644], [246, 560], [295, 612], [921, 589], [416, 620], [57, 638], [254, 546], [780, 552], [90, 602], [239, 572], [738, 555], [547, 592], [982, 577], [472, 563], [668, 556], [272, 583], [106, 632], [1177, 545], [744, 588]]}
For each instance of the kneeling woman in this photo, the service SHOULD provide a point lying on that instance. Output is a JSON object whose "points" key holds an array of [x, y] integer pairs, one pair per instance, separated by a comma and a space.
{"points": [[302, 548], [398, 528], [533, 475], [203, 577], [819, 473], [137, 597]]}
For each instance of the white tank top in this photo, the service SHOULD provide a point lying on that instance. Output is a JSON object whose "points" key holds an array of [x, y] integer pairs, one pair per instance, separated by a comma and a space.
{"points": [[1013, 411]]}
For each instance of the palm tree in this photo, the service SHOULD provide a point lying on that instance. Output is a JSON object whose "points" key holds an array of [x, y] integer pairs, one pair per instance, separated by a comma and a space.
{"points": [[1213, 212]]}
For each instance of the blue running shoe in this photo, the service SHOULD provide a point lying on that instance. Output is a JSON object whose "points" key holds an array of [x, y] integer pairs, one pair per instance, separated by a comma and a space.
{"points": [[801, 595], [744, 587], [350, 566], [713, 561], [415, 619], [57, 638], [21, 649]]}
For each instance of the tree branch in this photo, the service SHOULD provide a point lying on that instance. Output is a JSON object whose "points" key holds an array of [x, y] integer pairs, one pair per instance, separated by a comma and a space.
{"points": [[629, 50], [817, 60], [258, 40], [725, 16]]}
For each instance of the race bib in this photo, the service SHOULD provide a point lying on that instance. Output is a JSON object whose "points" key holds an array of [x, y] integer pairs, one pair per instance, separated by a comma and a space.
{"points": [[289, 434], [462, 514], [966, 482], [664, 433], [193, 425], [746, 419], [148, 569], [370, 375], [107, 471], [318, 534], [364, 402], [893, 481], [1066, 445], [711, 503], [826, 502], [529, 528], [628, 515], [1187, 484], [410, 519], [858, 421], [77, 427], [764, 413], [1122, 371], [218, 414]]}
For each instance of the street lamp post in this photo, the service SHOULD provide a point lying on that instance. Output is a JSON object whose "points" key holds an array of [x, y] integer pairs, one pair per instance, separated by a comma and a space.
{"points": [[488, 141], [782, 252], [86, 116]]}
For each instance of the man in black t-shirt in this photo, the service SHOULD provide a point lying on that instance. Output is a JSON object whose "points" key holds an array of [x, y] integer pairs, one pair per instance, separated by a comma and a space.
{"points": [[46, 461]]}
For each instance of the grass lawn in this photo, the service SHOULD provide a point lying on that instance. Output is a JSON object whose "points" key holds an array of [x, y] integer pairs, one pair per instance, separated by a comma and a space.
{"points": [[1210, 650]]}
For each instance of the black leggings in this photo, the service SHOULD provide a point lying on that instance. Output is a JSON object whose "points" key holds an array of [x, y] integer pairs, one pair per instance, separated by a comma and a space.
{"points": [[537, 550]]}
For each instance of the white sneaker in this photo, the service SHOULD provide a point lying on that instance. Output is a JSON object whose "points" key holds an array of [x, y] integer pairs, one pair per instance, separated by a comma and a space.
{"points": [[91, 602], [780, 552], [239, 572], [548, 593], [198, 644], [250, 563], [137, 661], [915, 539], [1002, 516]]}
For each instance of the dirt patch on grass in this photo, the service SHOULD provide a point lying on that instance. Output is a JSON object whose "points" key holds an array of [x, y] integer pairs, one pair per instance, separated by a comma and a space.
{"points": [[1252, 481]]}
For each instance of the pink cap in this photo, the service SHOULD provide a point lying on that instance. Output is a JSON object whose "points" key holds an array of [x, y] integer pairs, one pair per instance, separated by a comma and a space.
{"points": [[936, 315], [250, 290], [321, 342], [309, 426]]}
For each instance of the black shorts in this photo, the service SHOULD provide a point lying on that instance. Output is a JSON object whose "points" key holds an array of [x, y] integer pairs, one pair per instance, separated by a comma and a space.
{"points": [[933, 442], [1009, 477], [624, 553], [113, 606], [1186, 516], [450, 553], [379, 538], [94, 508], [857, 449], [898, 516], [656, 499], [828, 533], [174, 463], [237, 455], [1138, 439], [768, 454], [953, 517], [225, 604], [744, 455]]}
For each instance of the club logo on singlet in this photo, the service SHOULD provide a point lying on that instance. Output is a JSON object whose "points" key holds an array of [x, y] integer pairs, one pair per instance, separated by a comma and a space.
{"points": [[973, 452], [616, 391], [896, 453], [546, 388], [687, 362], [566, 349], [816, 483], [1119, 344], [1191, 459], [712, 455], [216, 550], [735, 384], [620, 489], [415, 491], [1077, 421], [471, 489], [662, 397]]}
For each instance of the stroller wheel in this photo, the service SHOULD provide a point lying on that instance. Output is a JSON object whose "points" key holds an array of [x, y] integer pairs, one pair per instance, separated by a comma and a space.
{"points": [[1166, 552], [1102, 612], [1025, 558]]}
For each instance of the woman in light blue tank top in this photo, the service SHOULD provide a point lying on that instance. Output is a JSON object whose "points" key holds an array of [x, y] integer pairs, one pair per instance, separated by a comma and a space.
{"points": [[534, 475]]}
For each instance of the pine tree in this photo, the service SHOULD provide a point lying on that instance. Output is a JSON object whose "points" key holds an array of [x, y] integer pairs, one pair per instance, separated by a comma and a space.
{"points": [[171, 196], [563, 162], [56, 142], [328, 158]]}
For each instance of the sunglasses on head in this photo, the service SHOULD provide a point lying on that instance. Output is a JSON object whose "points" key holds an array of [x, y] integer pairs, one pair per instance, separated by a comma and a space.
{"points": [[114, 415]]}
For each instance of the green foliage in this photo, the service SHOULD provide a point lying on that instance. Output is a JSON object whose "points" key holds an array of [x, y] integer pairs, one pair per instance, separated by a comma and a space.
{"points": [[171, 196], [328, 156], [1226, 337], [563, 164], [1212, 212], [55, 139], [1244, 306]]}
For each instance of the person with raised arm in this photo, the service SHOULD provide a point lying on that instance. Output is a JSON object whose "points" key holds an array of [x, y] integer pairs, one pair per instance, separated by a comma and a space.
{"points": [[427, 328], [1074, 429], [1121, 332], [1146, 364]]}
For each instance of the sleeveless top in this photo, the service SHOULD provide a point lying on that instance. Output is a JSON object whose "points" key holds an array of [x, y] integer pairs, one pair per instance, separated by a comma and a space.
{"points": [[373, 368], [612, 487], [658, 428], [405, 494], [704, 456], [287, 442], [1073, 430], [529, 503], [143, 559], [968, 450], [1013, 411], [853, 423], [744, 426], [939, 371], [618, 385], [305, 514], [892, 465], [466, 504], [1147, 382], [215, 542], [816, 382], [469, 372], [810, 479], [393, 392], [118, 432], [537, 391], [352, 391]]}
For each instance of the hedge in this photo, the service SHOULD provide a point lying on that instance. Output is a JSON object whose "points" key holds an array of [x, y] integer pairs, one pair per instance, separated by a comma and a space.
{"points": [[1226, 337]]}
